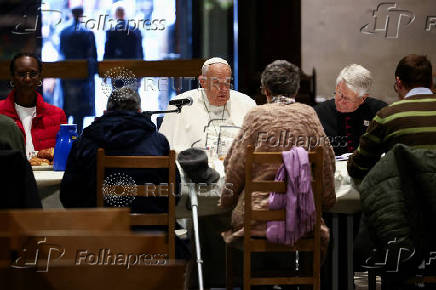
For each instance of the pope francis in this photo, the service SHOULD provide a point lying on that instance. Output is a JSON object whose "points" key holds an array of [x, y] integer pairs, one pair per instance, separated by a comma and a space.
{"points": [[216, 114]]}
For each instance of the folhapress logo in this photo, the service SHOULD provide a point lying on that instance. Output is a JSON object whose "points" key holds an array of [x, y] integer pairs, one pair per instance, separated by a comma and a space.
{"points": [[388, 18], [36, 253]]}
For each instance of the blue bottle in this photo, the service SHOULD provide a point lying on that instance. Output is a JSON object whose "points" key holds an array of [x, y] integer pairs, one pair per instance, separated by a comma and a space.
{"points": [[64, 140]]}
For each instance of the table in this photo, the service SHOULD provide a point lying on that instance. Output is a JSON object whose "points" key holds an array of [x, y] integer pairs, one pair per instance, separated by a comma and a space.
{"points": [[347, 204], [207, 197], [46, 178], [48, 183], [347, 195]]}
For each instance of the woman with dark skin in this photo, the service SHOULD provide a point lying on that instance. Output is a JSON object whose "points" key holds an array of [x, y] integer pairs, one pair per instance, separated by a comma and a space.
{"points": [[38, 121]]}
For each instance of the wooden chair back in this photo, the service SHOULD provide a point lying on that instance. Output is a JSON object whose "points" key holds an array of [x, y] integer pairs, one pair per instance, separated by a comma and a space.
{"points": [[92, 219], [154, 162], [94, 277], [311, 244], [88, 260]]}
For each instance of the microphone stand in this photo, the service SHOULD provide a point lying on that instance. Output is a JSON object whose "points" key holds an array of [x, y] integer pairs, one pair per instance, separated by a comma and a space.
{"points": [[178, 110]]}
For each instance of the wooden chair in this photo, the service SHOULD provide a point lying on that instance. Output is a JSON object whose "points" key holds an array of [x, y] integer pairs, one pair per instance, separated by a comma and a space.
{"points": [[95, 277], [95, 219], [251, 245], [18, 223], [70, 259], [148, 219]]}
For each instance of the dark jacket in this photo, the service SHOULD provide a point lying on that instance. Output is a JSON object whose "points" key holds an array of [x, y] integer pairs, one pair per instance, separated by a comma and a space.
{"points": [[334, 123], [123, 42], [77, 42], [11, 137], [398, 198], [119, 133], [18, 183]]}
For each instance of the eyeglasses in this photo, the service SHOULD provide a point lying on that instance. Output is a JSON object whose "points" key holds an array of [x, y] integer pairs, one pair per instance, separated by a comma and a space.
{"points": [[220, 84], [23, 74], [340, 96]]}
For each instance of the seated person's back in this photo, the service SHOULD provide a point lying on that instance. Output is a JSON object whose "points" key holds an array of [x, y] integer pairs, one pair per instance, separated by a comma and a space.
{"points": [[18, 183], [123, 131]]}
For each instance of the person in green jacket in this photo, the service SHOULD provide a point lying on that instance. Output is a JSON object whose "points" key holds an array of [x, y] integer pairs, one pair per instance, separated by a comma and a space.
{"points": [[11, 137], [410, 121]]}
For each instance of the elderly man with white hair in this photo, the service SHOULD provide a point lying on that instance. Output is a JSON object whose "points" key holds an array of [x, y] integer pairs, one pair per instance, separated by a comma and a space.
{"points": [[214, 106], [346, 117]]}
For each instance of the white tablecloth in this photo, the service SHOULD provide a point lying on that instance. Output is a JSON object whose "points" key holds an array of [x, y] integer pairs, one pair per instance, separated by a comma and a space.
{"points": [[347, 196], [48, 183], [46, 178]]}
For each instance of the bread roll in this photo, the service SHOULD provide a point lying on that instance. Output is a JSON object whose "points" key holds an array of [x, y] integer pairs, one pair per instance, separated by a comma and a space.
{"points": [[46, 154], [35, 161]]}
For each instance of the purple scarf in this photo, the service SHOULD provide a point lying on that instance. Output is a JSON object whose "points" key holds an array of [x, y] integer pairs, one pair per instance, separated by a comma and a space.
{"points": [[298, 199]]}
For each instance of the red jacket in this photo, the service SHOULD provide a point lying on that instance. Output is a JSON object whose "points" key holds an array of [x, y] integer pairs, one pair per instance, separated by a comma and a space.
{"points": [[45, 125]]}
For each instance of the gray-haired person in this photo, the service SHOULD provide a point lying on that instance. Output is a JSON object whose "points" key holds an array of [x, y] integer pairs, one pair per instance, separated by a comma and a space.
{"points": [[214, 106], [276, 126], [346, 117], [122, 130]]}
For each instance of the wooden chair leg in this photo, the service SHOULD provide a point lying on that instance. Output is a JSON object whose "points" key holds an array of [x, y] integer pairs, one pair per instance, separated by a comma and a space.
{"points": [[247, 269], [372, 281], [229, 268]]}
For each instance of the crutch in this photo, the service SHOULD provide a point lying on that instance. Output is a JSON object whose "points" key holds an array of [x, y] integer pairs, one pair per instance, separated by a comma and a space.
{"points": [[194, 205]]}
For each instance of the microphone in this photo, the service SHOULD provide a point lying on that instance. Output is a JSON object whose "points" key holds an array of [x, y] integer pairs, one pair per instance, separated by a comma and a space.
{"points": [[181, 102], [178, 103]]}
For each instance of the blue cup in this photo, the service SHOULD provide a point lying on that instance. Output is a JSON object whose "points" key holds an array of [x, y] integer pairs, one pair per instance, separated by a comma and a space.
{"points": [[64, 140]]}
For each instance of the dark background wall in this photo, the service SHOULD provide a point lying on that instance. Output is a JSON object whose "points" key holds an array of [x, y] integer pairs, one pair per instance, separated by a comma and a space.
{"points": [[268, 30], [15, 18]]}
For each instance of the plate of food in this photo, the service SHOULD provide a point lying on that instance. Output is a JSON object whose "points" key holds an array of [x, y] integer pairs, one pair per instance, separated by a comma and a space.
{"points": [[43, 159]]}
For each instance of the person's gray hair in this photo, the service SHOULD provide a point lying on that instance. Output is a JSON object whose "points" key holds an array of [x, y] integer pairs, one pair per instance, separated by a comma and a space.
{"points": [[124, 99], [357, 78], [211, 61], [281, 78]]}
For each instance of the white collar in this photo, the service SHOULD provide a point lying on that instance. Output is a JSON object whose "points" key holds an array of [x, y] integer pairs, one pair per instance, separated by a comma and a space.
{"points": [[418, 91]]}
